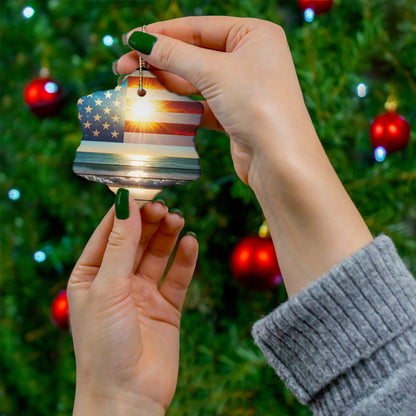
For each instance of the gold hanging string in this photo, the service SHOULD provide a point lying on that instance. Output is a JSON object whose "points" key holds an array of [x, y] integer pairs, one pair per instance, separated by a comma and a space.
{"points": [[141, 91]]}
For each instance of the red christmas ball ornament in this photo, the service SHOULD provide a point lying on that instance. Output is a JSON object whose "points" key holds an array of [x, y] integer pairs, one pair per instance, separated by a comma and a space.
{"points": [[254, 263], [60, 310], [318, 6], [390, 131], [44, 97]]}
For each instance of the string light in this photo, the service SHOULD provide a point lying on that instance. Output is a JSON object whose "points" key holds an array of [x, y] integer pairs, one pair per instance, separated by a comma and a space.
{"points": [[380, 154], [14, 194], [51, 87], [28, 12], [361, 90], [108, 40], [309, 15], [40, 256]]}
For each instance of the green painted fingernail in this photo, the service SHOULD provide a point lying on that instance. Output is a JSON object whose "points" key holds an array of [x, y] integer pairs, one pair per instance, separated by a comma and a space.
{"points": [[122, 204], [191, 233], [177, 211], [161, 200], [142, 42]]}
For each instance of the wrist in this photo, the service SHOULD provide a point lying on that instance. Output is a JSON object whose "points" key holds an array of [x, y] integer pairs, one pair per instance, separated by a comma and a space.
{"points": [[115, 404], [313, 222], [285, 152]]}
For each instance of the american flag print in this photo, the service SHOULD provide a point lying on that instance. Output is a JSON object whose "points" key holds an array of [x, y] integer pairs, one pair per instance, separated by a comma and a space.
{"points": [[120, 115], [138, 141]]}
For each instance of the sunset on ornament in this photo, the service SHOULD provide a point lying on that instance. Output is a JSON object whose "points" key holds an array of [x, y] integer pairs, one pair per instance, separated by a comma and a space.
{"points": [[138, 136]]}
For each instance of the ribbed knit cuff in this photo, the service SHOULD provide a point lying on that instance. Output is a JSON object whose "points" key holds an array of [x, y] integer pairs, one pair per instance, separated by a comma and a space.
{"points": [[345, 333]]}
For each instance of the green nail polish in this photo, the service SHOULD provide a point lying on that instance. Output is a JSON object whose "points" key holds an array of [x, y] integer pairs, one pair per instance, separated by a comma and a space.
{"points": [[122, 204], [191, 233], [142, 42], [161, 200], [177, 211]]}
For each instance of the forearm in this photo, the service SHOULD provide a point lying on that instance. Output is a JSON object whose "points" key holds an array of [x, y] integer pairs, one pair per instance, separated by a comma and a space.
{"points": [[312, 220]]}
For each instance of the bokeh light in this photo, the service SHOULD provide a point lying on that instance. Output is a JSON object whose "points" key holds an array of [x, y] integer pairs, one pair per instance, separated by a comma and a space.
{"points": [[40, 256], [108, 40], [28, 12], [51, 87], [380, 154], [14, 194], [309, 15], [361, 90]]}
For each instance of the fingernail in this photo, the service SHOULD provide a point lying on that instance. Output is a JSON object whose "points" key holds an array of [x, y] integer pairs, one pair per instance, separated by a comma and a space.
{"points": [[114, 68], [191, 233], [124, 38], [177, 211], [161, 200], [122, 204], [142, 42]]}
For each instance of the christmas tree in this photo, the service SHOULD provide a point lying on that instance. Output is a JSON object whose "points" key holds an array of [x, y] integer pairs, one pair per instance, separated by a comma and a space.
{"points": [[349, 60]]}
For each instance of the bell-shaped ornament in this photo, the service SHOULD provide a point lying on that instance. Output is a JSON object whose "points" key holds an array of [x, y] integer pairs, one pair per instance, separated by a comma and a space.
{"points": [[138, 136]]}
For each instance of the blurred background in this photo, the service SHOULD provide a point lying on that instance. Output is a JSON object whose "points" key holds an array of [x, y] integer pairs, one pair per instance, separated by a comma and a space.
{"points": [[352, 56]]}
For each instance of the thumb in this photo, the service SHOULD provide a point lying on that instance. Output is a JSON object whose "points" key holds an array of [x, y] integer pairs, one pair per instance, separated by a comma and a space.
{"points": [[190, 62], [123, 240]]}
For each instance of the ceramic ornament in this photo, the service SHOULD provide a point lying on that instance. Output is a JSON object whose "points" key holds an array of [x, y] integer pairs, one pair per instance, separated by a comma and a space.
{"points": [[138, 136]]}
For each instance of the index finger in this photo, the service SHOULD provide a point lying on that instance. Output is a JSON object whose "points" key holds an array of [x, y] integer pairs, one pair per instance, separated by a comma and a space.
{"points": [[209, 32]]}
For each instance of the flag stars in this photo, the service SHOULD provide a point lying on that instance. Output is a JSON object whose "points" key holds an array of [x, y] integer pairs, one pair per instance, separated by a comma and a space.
{"points": [[102, 115]]}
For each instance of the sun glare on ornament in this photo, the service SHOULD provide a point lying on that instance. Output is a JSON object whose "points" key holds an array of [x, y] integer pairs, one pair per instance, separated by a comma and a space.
{"points": [[28, 12], [141, 110], [309, 15], [14, 194], [108, 40], [361, 90], [380, 154], [39, 256]]}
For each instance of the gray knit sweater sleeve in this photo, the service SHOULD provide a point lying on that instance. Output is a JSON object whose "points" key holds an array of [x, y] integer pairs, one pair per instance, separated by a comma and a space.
{"points": [[346, 345]]}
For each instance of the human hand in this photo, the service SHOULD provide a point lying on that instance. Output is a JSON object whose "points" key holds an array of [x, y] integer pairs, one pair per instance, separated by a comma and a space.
{"points": [[244, 70], [125, 324]]}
